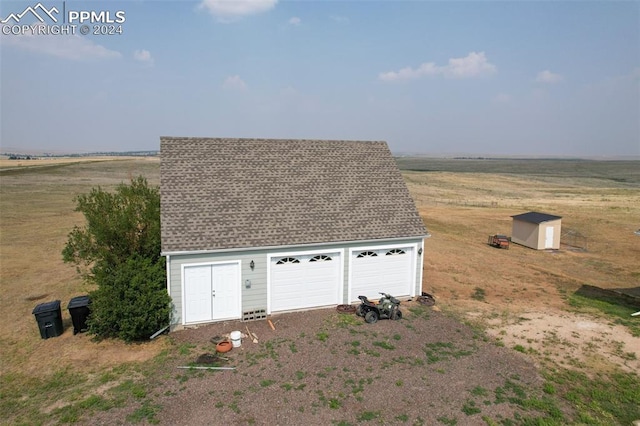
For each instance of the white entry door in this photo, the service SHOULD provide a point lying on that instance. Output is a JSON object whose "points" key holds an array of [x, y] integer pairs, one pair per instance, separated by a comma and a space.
{"points": [[197, 287], [226, 291], [548, 240], [211, 292]]}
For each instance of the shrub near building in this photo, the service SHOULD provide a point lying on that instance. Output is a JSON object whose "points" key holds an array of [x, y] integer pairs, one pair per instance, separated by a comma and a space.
{"points": [[118, 250]]}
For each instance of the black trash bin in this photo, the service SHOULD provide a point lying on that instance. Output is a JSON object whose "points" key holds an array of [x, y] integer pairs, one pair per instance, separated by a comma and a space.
{"points": [[49, 318], [79, 310]]}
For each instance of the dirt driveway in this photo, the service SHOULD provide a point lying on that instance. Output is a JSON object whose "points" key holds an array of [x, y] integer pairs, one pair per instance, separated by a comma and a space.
{"points": [[323, 367]]}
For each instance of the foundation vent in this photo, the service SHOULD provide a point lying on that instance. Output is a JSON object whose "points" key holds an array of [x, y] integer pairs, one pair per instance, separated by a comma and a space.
{"points": [[257, 314]]}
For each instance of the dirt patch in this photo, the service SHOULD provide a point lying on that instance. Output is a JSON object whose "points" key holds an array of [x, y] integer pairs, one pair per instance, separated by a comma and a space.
{"points": [[323, 367], [36, 297], [569, 339]]}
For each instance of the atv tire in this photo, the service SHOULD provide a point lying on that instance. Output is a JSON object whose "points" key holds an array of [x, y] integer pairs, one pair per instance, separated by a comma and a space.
{"points": [[371, 317]]}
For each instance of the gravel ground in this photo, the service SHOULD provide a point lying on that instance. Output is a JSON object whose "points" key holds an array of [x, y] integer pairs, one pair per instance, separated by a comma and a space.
{"points": [[324, 367]]}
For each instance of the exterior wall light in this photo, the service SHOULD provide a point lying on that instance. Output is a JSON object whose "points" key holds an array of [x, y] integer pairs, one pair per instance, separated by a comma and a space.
{"points": [[252, 265], [420, 251]]}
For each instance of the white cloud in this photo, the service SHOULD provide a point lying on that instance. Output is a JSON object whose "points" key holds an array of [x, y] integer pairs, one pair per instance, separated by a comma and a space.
{"points": [[232, 10], [409, 73], [295, 21], [74, 47], [470, 66], [234, 82], [143, 56], [473, 65], [547, 76]]}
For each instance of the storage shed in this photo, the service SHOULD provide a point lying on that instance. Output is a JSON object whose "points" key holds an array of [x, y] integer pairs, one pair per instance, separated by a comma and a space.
{"points": [[537, 230], [252, 227]]}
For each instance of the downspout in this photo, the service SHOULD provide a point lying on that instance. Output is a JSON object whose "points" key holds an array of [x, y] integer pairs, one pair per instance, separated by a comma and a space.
{"points": [[171, 315], [169, 274], [420, 267], [421, 261]]}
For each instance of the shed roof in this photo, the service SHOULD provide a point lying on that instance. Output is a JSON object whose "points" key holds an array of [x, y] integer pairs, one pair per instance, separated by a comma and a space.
{"points": [[243, 193], [535, 217]]}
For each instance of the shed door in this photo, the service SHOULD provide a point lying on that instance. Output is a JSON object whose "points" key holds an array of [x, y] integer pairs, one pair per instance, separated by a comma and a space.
{"points": [[548, 240], [211, 292], [304, 281], [382, 270]]}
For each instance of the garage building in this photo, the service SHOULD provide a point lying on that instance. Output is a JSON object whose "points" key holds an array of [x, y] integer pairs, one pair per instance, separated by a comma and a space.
{"points": [[253, 227]]}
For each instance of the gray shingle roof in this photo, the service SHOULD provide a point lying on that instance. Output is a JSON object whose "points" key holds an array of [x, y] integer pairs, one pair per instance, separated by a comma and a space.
{"points": [[235, 193], [535, 217]]}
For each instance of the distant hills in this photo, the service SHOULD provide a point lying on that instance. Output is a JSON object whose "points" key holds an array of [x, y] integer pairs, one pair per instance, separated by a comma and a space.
{"points": [[34, 155], [27, 154]]}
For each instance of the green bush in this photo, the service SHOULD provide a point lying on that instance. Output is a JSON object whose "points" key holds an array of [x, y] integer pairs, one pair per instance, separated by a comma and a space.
{"points": [[119, 250], [131, 303]]}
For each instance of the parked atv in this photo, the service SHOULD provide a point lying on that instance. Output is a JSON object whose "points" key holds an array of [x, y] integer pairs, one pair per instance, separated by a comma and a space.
{"points": [[388, 307]]}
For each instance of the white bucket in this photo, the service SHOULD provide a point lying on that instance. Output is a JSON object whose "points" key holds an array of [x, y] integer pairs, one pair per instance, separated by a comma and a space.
{"points": [[236, 338]]}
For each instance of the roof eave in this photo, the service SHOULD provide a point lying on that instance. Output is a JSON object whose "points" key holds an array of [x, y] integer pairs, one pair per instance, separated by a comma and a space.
{"points": [[330, 243]]}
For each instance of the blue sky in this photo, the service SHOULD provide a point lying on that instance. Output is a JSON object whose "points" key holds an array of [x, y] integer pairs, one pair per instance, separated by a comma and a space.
{"points": [[552, 78]]}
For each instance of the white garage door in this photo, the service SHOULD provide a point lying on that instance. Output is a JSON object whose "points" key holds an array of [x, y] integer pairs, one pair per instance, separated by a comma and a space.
{"points": [[387, 270], [211, 292], [304, 281]]}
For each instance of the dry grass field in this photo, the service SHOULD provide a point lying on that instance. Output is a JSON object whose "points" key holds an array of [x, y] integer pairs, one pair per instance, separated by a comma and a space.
{"points": [[527, 300], [36, 214], [525, 296]]}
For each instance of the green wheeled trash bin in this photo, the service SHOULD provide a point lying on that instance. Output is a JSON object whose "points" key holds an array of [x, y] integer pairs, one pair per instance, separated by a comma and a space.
{"points": [[79, 310], [49, 318]]}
